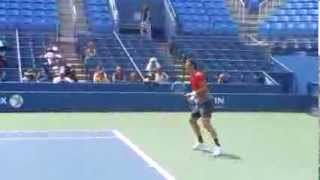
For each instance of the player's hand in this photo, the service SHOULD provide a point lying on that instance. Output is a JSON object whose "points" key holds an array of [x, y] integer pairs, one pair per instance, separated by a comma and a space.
{"points": [[191, 94]]}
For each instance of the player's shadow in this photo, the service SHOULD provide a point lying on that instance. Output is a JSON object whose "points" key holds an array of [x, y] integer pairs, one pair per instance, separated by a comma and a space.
{"points": [[229, 156]]}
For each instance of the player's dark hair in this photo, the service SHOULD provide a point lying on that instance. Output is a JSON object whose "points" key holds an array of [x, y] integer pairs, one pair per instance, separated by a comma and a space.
{"points": [[194, 64]]}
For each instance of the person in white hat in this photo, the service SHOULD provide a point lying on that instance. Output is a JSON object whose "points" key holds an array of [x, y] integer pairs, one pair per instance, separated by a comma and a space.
{"points": [[153, 65]]}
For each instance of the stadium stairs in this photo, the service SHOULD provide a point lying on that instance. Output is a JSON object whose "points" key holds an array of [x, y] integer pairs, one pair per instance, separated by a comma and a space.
{"points": [[67, 37], [249, 24]]}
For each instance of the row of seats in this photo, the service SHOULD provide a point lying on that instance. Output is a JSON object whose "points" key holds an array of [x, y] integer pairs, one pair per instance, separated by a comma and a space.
{"points": [[238, 77], [142, 49], [294, 12], [307, 5], [219, 48], [219, 54], [29, 6], [289, 29], [32, 47], [293, 19], [9, 38], [109, 52], [98, 15], [204, 17], [29, 15]]}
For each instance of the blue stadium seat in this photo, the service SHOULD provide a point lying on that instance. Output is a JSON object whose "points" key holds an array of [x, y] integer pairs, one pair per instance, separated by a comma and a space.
{"points": [[295, 17], [204, 17]]}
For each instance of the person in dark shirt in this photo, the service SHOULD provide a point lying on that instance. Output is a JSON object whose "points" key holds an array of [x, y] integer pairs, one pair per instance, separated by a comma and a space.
{"points": [[145, 24]]}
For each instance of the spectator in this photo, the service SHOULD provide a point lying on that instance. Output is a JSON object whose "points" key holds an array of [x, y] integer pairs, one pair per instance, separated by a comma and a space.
{"points": [[52, 55], [151, 76], [62, 79], [90, 51], [59, 67], [71, 73], [223, 78], [161, 76], [29, 76], [133, 77], [153, 65], [260, 78], [145, 24], [118, 75], [3, 65], [3, 48], [55, 49], [100, 76], [42, 76]]}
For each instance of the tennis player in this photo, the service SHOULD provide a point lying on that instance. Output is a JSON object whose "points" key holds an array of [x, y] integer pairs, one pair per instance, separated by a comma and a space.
{"points": [[202, 108]]}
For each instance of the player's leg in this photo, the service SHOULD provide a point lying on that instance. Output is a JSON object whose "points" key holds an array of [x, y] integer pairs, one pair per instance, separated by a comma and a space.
{"points": [[206, 113], [195, 126], [196, 130], [206, 122]]}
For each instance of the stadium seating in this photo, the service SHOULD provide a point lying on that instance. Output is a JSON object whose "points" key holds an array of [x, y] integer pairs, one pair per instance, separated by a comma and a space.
{"points": [[109, 52], [204, 17], [252, 5], [29, 15], [32, 46], [12, 73], [216, 55], [294, 19], [141, 49], [98, 16]]}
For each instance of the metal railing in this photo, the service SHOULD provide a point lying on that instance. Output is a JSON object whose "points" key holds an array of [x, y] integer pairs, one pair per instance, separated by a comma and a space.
{"points": [[32, 54], [129, 56], [74, 17], [240, 8], [115, 13], [170, 9], [19, 55], [266, 6]]}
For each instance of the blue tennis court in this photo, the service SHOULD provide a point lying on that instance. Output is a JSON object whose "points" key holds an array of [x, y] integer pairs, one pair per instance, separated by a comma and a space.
{"points": [[75, 155]]}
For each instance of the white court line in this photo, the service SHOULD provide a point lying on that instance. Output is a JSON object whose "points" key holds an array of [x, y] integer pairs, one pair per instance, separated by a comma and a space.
{"points": [[44, 138], [58, 131], [55, 138], [144, 156]]}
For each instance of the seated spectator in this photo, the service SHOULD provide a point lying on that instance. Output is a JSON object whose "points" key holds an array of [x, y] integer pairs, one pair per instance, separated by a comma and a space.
{"points": [[62, 79], [161, 76], [3, 65], [49, 56], [223, 78], [90, 51], [29, 76], [151, 76], [42, 76], [52, 55], [152, 65], [3, 48], [71, 73], [260, 78], [100, 76], [134, 77], [118, 75], [55, 49]]}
